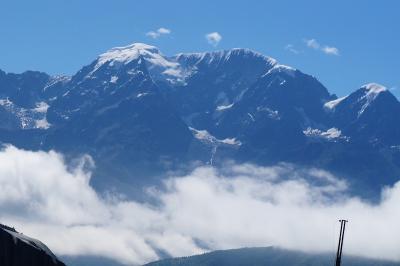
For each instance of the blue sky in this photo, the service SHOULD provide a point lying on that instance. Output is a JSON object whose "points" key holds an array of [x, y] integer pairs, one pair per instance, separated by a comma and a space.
{"points": [[343, 43]]}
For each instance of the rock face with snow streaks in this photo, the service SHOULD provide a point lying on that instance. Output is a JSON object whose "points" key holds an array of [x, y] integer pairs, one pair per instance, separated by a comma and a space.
{"points": [[140, 113]]}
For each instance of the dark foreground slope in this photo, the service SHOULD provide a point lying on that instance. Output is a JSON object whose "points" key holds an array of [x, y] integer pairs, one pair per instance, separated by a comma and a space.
{"points": [[17, 249], [266, 256]]}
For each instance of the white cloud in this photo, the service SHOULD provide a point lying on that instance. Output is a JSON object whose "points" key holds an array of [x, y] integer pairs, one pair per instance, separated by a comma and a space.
{"points": [[291, 48], [156, 34], [236, 206], [164, 31], [213, 38], [330, 50], [314, 44], [153, 34]]}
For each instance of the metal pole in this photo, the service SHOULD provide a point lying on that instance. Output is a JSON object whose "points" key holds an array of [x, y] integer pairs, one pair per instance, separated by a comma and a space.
{"points": [[344, 228], [340, 245]]}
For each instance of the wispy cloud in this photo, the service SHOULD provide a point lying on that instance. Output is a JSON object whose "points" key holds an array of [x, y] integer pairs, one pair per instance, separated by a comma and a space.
{"points": [[231, 207], [157, 33], [291, 48], [314, 44], [330, 50], [213, 38]]}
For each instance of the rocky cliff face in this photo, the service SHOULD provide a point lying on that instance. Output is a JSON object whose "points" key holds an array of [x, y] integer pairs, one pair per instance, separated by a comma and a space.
{"points": [[140, 113]]}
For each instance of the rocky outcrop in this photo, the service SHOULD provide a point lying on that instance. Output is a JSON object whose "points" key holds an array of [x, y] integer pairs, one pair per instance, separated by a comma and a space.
{"points": [[16, 249]]}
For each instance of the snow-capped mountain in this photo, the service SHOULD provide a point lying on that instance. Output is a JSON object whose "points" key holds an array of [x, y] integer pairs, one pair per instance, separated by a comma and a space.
{"points": [[214, 82], [368, 114], [139, 113]]}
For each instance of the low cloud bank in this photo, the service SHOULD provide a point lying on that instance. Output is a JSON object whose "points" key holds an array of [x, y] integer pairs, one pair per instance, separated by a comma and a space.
{"points": [[236, 206]]}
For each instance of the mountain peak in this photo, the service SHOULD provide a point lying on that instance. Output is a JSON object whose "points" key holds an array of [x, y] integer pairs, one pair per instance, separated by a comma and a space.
{"points": [[364, 96], [126, 54], [225, 55], [374, 88], [370, 91], [119, 56], [246, 52], [134, 47]]}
